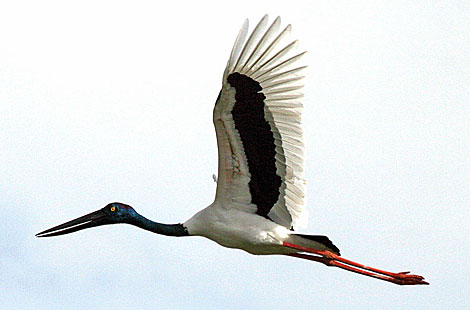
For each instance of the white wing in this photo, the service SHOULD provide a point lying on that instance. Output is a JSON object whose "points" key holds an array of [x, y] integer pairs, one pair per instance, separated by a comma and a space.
{"points": [[257, 118]]}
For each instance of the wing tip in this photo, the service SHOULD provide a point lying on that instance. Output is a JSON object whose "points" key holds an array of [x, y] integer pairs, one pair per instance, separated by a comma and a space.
{"points": [[260, 47]]}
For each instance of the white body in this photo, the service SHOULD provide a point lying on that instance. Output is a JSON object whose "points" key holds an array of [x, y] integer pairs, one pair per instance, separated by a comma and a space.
{"points": [[233, 228]]}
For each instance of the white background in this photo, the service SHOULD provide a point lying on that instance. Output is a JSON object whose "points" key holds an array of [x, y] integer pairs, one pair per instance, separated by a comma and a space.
{"points": [[105, 101]]}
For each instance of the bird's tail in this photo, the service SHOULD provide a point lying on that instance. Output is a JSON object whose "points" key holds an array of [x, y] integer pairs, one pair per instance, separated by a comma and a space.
{"points": [[315, 242]]}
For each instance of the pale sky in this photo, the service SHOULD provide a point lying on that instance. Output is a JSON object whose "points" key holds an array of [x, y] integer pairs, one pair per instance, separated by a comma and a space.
{"points": [[105, 101]]}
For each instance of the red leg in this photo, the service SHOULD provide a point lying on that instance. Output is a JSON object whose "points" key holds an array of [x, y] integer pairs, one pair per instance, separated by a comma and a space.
{"points": [[330, 259]]}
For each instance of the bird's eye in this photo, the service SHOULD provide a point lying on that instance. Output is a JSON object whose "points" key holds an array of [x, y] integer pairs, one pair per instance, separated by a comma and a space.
{"points": [[113, 209]]}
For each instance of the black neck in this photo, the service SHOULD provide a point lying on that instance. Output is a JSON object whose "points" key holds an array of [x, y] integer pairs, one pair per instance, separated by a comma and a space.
{"points": [[175, 230]]}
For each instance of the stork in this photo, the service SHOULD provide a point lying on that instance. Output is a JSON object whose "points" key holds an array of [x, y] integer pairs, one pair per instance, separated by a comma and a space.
{"points": [[260, 194]]}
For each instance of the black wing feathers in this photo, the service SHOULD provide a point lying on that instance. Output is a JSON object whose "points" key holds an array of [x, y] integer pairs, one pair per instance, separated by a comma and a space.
{"points": [[258, 142]]}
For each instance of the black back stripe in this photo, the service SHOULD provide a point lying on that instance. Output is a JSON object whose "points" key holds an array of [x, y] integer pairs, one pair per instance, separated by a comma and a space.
{"points": [[258, 142]]}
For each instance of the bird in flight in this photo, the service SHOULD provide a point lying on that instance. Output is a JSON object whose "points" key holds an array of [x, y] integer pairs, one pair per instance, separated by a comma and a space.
{"points": [[260, 194]]}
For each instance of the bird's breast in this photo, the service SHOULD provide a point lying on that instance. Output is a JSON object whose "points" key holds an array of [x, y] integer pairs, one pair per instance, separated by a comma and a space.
{"points": [[233, 228]]}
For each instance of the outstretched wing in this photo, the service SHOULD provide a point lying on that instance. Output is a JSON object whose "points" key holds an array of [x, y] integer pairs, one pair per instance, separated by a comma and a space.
{"points": [[257, 118]]}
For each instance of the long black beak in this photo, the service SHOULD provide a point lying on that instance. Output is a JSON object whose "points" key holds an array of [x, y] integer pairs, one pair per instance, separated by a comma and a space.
{"points": [[93, 219]]}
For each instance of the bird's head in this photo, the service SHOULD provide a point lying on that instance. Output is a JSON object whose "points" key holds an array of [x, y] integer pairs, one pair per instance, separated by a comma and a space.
{"points": [[112, 213]]}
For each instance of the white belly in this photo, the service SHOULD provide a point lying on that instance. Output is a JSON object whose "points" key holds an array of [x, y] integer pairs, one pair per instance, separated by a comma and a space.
{"points": [[233, 228]]}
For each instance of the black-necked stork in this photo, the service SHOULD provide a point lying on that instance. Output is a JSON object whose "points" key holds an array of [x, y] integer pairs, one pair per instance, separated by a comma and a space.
{"points": [[260, 185]]}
